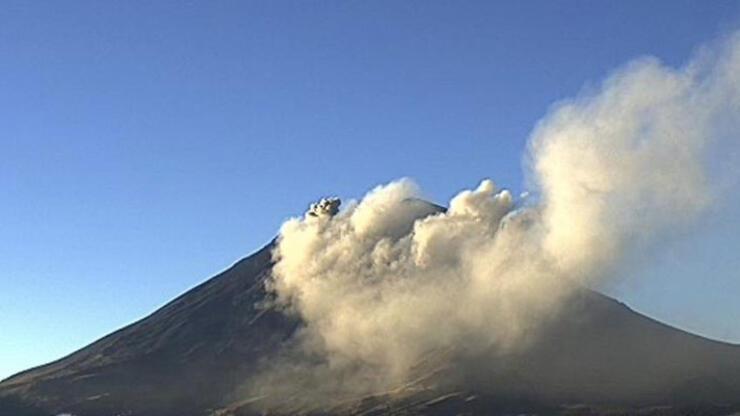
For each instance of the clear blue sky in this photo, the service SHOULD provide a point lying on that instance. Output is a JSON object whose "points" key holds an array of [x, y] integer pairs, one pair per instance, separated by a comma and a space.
{"points": [[144, 146]]}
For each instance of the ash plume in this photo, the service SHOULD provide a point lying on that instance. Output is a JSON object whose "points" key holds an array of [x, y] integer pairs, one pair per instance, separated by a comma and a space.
{"points": [[384, 282], [325, 206]]}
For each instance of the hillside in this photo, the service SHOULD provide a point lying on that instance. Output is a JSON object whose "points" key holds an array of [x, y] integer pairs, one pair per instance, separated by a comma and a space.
{"points": [[191, 356]]}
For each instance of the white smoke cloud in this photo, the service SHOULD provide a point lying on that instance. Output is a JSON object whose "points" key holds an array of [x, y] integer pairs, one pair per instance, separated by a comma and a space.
{"points": [[390, 279]]}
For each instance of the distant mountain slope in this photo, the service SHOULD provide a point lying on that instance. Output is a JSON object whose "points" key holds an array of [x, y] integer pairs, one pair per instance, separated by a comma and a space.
{"points": [[183, 357], [190, 356]]}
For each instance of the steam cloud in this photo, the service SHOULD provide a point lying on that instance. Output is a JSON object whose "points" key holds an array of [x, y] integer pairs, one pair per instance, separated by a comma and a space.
{"points": [[391, 278]]}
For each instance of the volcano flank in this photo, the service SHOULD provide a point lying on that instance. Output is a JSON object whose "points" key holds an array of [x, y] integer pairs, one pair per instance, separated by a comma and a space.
{"points": [[195, 355]]}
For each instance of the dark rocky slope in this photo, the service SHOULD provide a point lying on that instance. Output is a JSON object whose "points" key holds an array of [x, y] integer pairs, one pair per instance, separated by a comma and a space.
{"points": [[190, 357]]}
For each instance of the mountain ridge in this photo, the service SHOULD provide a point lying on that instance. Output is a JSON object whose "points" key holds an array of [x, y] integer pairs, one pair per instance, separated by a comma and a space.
{"points": [[193, 355]]}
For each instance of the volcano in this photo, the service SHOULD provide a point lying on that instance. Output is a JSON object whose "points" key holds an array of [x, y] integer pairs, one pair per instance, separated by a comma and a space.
{"points": [[194, 355]]}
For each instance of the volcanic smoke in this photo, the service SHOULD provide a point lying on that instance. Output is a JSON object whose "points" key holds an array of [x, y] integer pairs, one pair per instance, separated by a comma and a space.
{"points": [[389, 279]]}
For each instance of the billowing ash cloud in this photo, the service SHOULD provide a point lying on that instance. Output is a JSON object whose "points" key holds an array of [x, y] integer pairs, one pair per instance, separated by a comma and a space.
{"points": [[390, 279]]}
